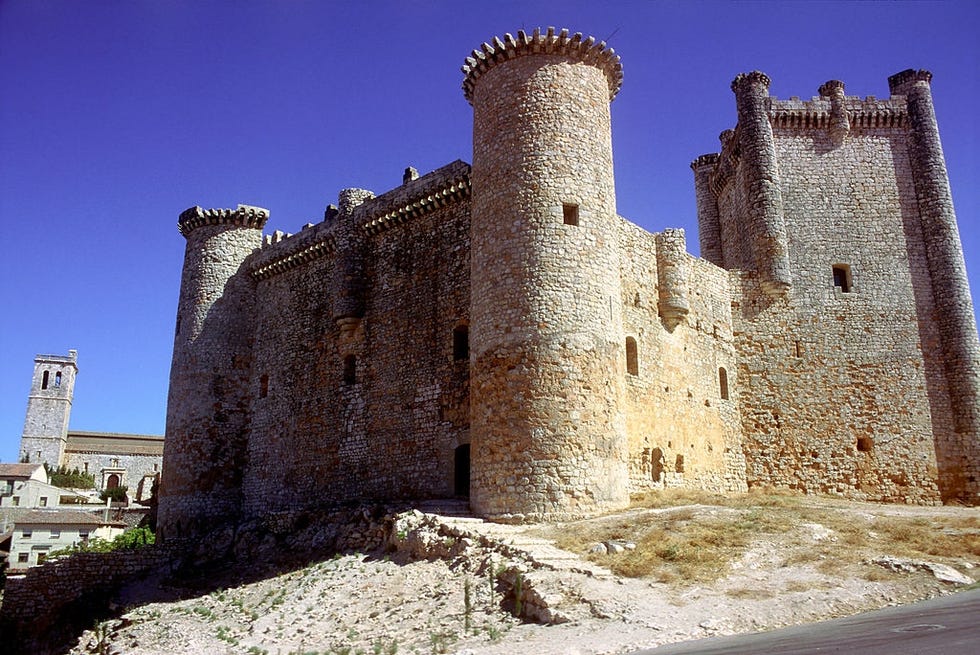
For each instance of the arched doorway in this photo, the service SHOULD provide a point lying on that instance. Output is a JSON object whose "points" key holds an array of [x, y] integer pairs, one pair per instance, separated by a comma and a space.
{"points": [[112, 481], [461, 471]]}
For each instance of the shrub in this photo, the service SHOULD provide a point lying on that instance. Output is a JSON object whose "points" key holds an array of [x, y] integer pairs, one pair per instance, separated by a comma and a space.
{"points": [[128, 540], [117, 494], [74, 479]]}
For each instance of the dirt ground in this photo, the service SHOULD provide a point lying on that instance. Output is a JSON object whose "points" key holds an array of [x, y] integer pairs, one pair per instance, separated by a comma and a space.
{"points": [[392, 602]]}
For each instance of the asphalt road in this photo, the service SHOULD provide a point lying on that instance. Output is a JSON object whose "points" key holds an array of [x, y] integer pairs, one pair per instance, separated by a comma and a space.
{"points": [[943, 626]]}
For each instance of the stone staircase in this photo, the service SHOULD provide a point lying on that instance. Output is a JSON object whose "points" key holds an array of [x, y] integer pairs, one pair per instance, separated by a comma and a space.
{"points": [[540, 552]]}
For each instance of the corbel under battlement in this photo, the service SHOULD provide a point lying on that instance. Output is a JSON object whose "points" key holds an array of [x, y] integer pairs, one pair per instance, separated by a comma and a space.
{"points": [[816, 112], [304, 247], [585, 49], [416, 197]]}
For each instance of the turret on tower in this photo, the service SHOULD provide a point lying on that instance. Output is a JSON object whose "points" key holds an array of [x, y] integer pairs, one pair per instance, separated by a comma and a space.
{"points": [[947, 269], [764, 201], [546, 336]]}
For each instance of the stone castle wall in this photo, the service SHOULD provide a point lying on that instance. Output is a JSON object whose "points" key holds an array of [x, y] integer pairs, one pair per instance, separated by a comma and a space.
{"points": [[844, 388], [210, 377], [386, 423], [501, 331], [682, 431]]}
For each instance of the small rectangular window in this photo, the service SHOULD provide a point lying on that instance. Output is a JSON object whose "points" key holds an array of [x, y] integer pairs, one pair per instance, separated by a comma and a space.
{"points": [[27, 533], [842, 277], [43, 501], [22, 558], [350, 369], [15, 501], [461, 343], [56, 533], [570, 214]]}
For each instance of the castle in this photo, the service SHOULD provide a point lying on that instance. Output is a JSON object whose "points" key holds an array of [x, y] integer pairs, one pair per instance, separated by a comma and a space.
{"points": [[112, 459], [497, 331]]}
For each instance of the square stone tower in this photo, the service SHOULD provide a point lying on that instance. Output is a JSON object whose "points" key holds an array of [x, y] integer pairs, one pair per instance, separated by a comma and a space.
{"points": [[48, 409]]}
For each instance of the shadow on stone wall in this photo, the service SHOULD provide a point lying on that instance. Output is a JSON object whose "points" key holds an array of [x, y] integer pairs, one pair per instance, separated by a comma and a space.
{"points": [[950, 476]]}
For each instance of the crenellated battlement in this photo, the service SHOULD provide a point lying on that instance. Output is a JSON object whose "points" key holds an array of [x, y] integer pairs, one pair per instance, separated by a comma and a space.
{"points": [[415, 198], [301, 251], [244, 216], [899, 82], [816, 113], [418, 197], [585, 49], [710, 159]]}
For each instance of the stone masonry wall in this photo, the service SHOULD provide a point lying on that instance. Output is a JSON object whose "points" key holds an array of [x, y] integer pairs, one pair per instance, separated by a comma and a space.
{"points": [[43, 607], [502, 330], [957, 451], [390, 429], [682, 432], [135, 470], [841, 389], [207, 405]]}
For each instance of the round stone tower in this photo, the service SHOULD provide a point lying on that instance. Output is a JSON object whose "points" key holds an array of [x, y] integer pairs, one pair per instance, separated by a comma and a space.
{"points": [[546, 339], [207, 417], [951, 289], [764, 201]]}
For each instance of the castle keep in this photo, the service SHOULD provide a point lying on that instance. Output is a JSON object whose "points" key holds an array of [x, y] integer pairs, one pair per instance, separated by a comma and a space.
{"points": [[497, 331]]}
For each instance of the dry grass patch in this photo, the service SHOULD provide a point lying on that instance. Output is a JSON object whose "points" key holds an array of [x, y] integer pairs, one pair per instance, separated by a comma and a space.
{"points": [[917, 537], [675, 545], [757, 497], [693, 536]]}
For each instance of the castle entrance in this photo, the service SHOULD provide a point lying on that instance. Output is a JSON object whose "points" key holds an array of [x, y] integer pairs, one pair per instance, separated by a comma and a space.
{"points": [[461, 468]]}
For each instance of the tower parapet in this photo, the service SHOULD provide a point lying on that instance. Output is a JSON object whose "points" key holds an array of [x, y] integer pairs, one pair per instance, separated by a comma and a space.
{"points": [[547, 387], [209, 375], [243, 216], [575, 48], [947, 268], [764, 201]]}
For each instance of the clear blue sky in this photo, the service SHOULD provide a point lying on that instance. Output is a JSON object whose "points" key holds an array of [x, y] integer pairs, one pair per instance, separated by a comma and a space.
{"points": [[116, 116]]}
